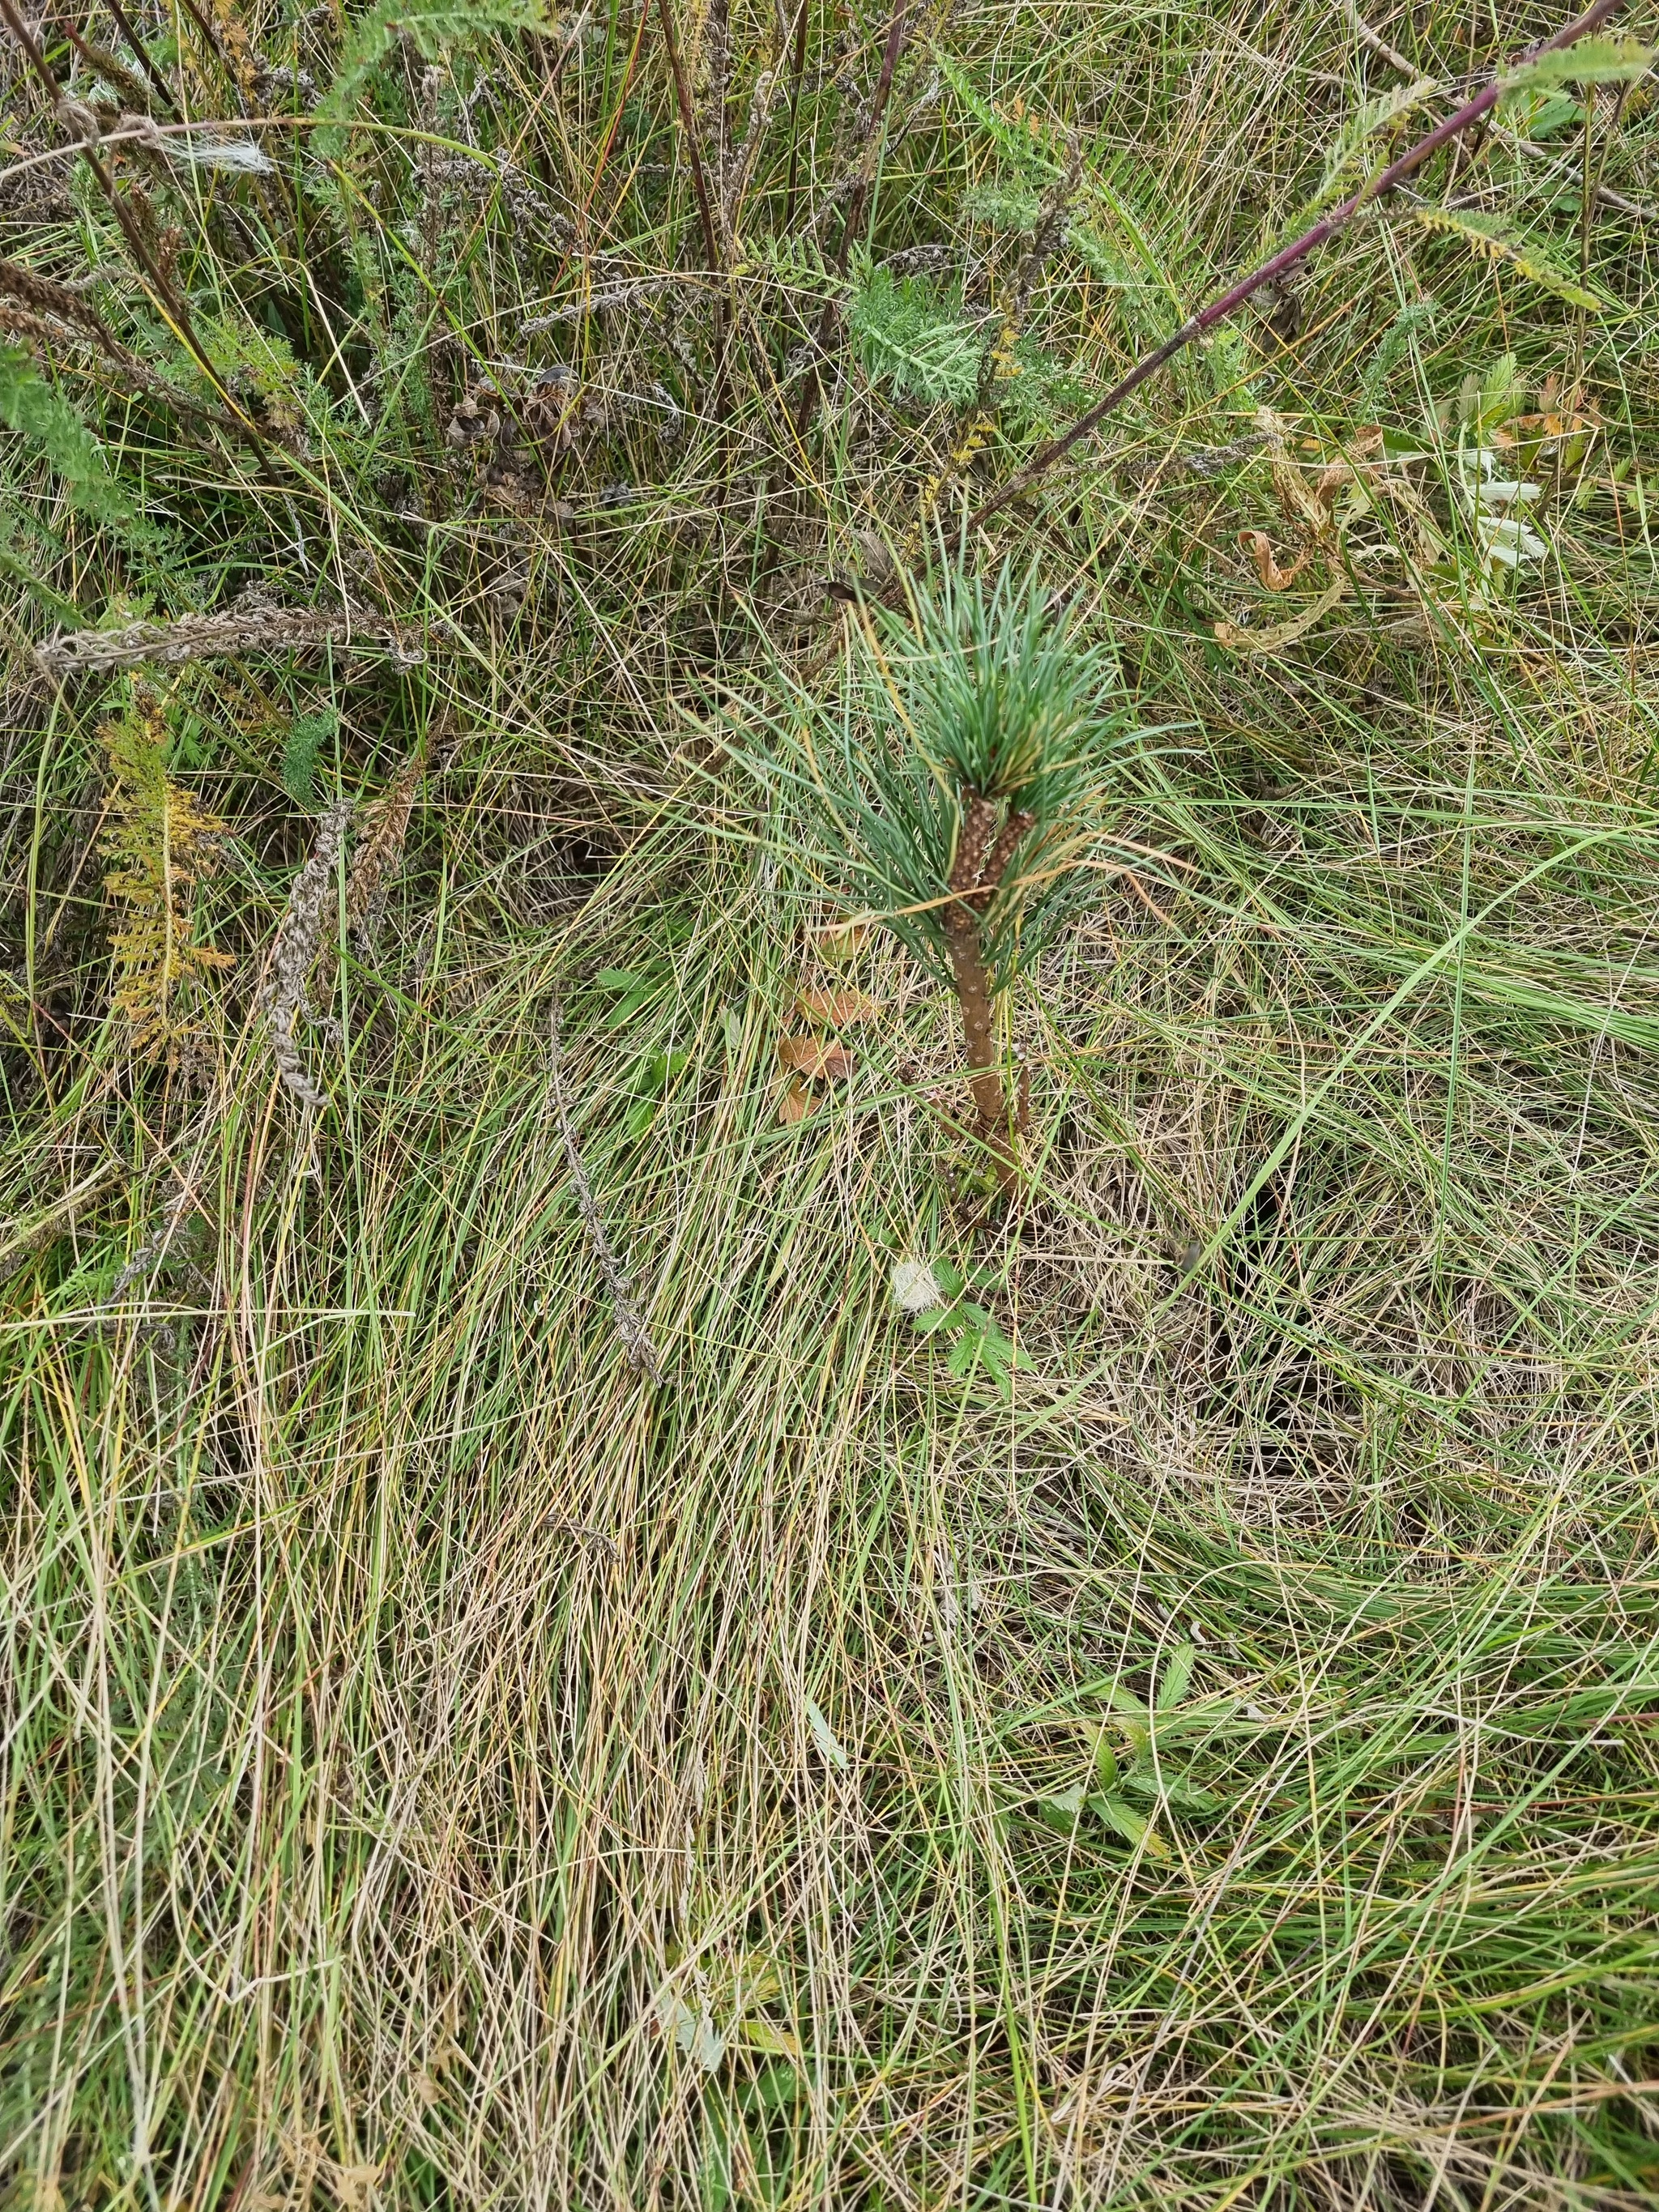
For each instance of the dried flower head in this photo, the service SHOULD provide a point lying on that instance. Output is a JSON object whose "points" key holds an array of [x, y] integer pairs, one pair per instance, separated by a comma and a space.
{"points": [[298, 935], [916, 1288], [249, 625], [381, 849]]}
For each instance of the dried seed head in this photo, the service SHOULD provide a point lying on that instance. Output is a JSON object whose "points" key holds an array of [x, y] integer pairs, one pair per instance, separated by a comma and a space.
{"points": [[386, 825], [298, 936], [916, 1288], [246, 627]]}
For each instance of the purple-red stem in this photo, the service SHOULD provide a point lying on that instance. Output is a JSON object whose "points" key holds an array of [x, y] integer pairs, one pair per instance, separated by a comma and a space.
{"points": [[1287, 257]]}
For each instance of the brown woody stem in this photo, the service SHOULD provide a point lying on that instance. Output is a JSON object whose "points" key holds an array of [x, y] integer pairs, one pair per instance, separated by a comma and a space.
{"points": [[973, 880]]}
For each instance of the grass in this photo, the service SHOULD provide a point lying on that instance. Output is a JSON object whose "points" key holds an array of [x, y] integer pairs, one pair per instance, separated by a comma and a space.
{"points": [[443, 1767]]}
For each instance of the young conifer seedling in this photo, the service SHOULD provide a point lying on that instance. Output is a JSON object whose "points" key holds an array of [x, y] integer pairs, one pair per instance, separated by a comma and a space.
{"points": [[959, 791]]}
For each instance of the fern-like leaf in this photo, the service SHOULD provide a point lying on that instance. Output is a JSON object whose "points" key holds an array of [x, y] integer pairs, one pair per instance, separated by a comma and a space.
{"points": [[1494, 240], [31, 407], [1349, 157], [1589, 61], [158, 844], [903, 331]]}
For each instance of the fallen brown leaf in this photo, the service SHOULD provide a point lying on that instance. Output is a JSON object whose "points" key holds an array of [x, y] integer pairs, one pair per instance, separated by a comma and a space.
{"points": [[794, 1101], [814, 1059], [837, 1010]]}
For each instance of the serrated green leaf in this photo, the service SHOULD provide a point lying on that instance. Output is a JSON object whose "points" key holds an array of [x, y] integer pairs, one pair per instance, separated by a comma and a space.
{"points": [[1134, 1827], [1062, 1811], [1105, 1763], [630, 1006], [1176, 1676], [36, 411]]}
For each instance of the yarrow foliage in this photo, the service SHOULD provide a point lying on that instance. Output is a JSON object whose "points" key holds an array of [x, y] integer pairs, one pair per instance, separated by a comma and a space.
{"points": [[160, 845]]}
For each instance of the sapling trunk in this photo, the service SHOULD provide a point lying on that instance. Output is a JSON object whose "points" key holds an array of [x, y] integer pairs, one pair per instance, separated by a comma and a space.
{"points": [[973, 989], [981, 859]]}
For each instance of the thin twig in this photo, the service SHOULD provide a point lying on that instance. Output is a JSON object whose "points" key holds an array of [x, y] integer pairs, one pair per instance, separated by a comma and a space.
{"points": [[129, 31], [1378, 44], [630, 1325], [1235, 296]]}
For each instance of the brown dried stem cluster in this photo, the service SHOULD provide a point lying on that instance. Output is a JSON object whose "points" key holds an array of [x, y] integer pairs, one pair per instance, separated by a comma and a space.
{"points": [[299, 938]]}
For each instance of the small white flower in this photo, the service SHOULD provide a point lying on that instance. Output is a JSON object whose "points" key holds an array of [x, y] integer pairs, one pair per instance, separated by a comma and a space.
{"points": [[915, 1286]]}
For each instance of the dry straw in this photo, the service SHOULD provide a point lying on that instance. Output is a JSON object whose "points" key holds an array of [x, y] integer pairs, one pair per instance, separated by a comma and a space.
{"points": [[630, 1324]]}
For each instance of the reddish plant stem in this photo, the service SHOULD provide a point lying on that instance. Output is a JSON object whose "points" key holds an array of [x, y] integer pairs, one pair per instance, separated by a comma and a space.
{"points": [[1287, 257], [972, 983], [705, 206], [798, 72], [687, 125]]}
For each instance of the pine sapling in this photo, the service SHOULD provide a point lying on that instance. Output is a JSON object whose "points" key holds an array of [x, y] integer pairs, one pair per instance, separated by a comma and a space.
{"points": [[958, 793]]}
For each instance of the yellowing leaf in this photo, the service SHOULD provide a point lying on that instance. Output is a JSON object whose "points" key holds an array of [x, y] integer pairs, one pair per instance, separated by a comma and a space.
{"points": [[1490, 237], [1257, 544], [160, 845], [1273, 639]]}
